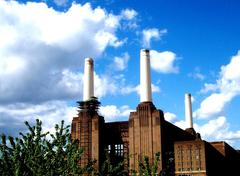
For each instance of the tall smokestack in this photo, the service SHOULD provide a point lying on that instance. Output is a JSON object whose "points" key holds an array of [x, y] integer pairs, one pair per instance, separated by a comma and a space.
{"points": [[188, 110], [145, 76], [88, 86]]}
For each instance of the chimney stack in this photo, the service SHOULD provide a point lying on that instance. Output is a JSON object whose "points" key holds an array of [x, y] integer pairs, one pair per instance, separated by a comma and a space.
{"points": [[145, 76], [88, 80], [188, 110]]}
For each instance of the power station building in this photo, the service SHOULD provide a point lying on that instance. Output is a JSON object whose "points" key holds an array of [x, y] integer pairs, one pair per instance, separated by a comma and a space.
{"points": [[147, 133]]}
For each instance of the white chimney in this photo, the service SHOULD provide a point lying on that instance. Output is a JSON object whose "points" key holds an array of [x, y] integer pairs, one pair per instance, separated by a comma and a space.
{"points": [[88, 80], [145, 76], [188, 110]]}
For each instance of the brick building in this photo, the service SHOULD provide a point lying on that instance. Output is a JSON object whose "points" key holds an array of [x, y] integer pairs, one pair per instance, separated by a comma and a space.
{"points": [[146, 133]]}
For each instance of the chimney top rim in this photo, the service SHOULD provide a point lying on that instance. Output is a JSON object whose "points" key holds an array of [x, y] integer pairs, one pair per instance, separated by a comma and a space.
{"points": [[145, 50], [88, 59]]}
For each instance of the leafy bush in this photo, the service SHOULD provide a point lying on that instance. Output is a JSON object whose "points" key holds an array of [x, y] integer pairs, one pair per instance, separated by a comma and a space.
{"points": [[36, 154]]}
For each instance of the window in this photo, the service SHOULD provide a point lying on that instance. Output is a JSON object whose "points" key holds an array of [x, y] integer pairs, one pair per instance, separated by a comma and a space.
{"points": [[109, 149], [119, 149]]}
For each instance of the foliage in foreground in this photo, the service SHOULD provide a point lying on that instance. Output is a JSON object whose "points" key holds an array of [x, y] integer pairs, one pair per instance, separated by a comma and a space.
{"points": [[146, 169], [35, 154], [112, 169]]}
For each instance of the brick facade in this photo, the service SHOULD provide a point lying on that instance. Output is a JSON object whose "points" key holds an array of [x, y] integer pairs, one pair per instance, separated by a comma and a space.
{"points": [[145, 134]]}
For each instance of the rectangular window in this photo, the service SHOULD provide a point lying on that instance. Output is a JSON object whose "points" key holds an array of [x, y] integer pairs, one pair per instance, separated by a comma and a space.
{"points": [[119, 149], [109, 149]]}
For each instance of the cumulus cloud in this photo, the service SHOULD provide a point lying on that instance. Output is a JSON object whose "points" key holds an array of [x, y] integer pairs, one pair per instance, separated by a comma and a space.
{"points": [[171, 117], [40, 52], [212, 105], [213, 128], [163, 62], [152, 33], [13, 116], [208, 87], [104, 85], [218, 129], [222, 92], [120, 63], [225, 89], [49, 85], [41, 59], [129, 18], [128, 14], [181, 124], [113, 113]]}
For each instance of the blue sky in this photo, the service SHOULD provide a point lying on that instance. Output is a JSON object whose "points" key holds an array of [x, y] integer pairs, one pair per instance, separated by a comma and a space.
{"points": [[194, 48]]}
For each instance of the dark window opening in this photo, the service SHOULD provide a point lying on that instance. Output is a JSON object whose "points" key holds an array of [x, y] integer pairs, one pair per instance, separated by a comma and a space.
{"points": [[119, 149]]}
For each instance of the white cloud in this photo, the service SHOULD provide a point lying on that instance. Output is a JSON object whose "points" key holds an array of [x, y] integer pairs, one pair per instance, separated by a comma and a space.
{"points": [[129, 18], [41, 53], [227, 87], [130, 89], [11, 65], [41, 60], [171, 117], [155, 88], [192, 99], [181, 124], [152, 33], [104, 85], [163, 62], [113, 113], [231, 135], [213, 129], [115, 84], [120, 63], [232, 71], [197, 74], [217, 129], [212, 105], [128, 14], [51, 113], [209, 87], [105, 38]]}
